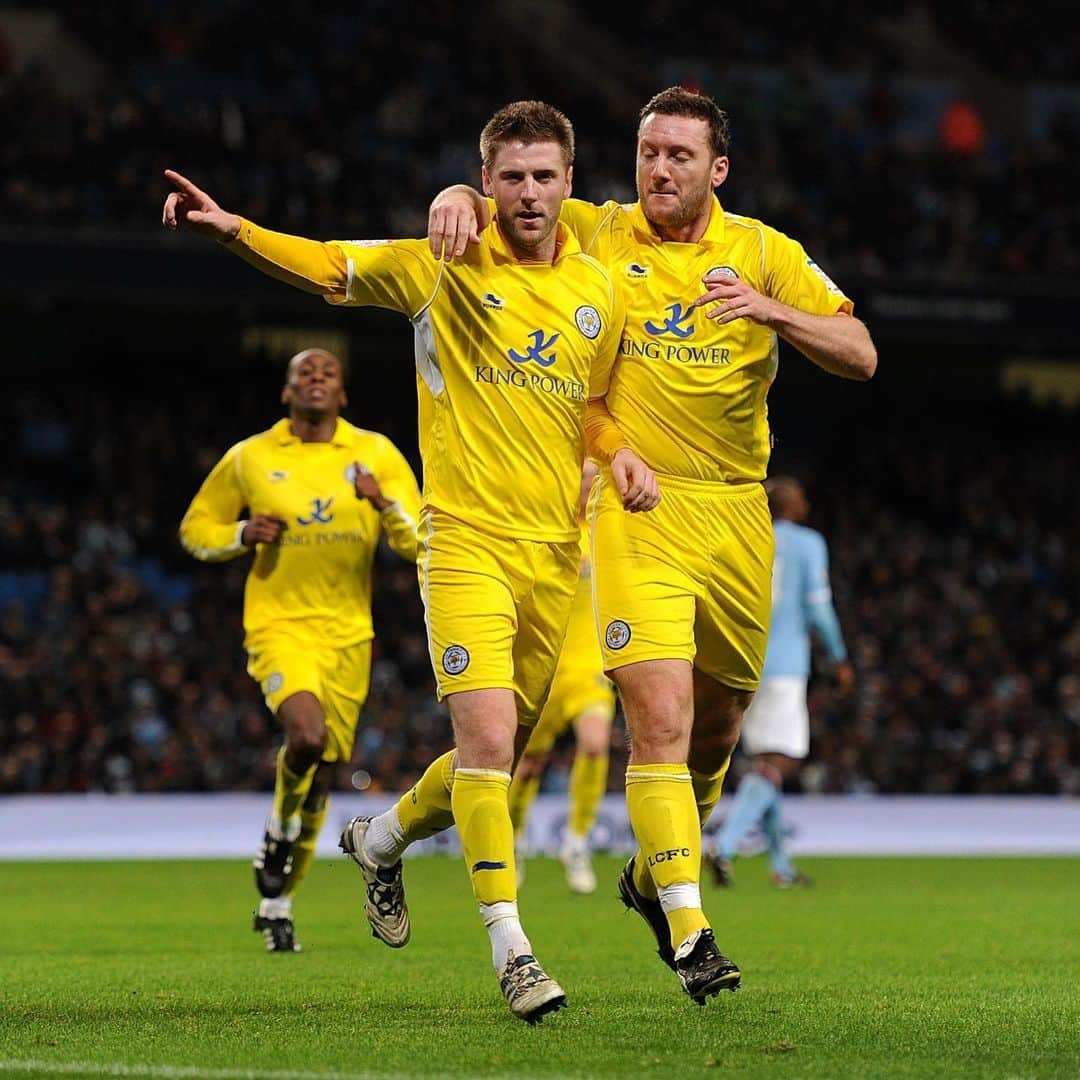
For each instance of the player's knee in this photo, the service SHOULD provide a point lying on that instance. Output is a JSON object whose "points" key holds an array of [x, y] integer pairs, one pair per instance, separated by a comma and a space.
{"points": [[660, 738], [306, 742]]}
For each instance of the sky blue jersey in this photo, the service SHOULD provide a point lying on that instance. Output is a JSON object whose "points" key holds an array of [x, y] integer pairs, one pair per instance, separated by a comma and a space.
{"points": [[801, 602]]}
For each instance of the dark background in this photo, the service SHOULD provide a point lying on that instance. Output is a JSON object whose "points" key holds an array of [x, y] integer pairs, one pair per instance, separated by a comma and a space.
{"points": [[926, 159]]}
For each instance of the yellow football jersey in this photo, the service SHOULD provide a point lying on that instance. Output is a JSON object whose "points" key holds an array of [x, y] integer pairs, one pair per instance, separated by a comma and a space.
{"points": [[317, 577], [688, 393], [507, 354]]}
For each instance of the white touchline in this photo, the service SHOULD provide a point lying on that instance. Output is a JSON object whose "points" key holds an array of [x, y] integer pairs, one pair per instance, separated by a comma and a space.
{"points": [[194, 1072]]}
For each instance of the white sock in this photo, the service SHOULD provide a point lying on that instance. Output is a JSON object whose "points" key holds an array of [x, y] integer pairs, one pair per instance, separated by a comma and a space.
{"points": [[288, 830], [384, 841], [575, 844], [504, 930], [280, 907]]}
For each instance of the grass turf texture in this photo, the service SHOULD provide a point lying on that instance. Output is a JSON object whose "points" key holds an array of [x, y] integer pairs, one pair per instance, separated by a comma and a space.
{"points": [[886, 968]]}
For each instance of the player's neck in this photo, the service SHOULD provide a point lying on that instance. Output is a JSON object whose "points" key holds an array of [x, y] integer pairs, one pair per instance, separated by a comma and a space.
{"points": [[686, 234], [545, 253], [312, 428]]}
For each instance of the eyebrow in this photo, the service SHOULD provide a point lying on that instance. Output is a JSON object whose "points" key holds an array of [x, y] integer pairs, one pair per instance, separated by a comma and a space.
{"points": [[676, 148]]}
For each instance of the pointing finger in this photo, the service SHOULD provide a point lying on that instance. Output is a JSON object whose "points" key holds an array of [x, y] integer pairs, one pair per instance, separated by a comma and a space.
{"points": [[184, 184]]}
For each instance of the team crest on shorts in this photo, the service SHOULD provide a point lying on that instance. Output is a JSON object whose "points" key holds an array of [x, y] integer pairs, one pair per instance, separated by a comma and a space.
{"points": [[588, 320], [274, 683], [617, 634], [455, 659]]}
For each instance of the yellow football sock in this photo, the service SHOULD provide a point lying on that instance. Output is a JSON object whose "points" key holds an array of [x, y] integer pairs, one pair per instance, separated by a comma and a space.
{"points": [[521, 795], [303, 850], [290, 789], [425, 809], [487, 837], [588, 782], [707, 789], [663, 815]]}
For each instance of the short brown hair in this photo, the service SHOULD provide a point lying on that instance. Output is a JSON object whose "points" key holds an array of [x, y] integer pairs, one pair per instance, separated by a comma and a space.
{"points": [[678, 101], [529, 122]]}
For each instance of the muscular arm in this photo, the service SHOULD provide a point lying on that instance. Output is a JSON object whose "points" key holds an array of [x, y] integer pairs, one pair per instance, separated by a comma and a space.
{"points": [[839, 344]]}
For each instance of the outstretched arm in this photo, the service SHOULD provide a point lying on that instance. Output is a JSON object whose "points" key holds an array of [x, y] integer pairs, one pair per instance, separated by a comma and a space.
{"points": [[305, 264], [457, 216]]}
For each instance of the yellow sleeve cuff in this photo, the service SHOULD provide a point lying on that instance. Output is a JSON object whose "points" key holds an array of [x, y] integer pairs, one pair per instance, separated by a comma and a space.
{"points": [[603, 439]]}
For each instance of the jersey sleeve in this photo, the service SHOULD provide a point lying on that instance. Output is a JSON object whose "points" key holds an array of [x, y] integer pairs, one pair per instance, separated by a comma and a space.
{"points": [[401, 275], [311, 265], [603, 436], [793, 278], [210, 529], [398, 483], [607, 345], [817, 599]]}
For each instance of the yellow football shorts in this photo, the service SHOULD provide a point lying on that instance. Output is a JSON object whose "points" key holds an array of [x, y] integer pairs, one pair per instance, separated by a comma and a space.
{"points": [[496, 608], [284, 662], [690, 580]]}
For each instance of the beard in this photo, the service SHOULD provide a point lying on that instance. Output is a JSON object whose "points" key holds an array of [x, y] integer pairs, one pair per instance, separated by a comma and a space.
{"points": [[685, 210], [526, 240]]}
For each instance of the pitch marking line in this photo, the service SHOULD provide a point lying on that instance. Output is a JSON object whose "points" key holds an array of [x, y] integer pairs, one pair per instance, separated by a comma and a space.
{"points": [[184, 1072]]}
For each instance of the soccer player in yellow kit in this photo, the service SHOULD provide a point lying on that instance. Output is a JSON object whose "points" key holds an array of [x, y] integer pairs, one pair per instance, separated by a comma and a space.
{"points": [[511, 341], [682, 595], [583, 696], [318, 493]]}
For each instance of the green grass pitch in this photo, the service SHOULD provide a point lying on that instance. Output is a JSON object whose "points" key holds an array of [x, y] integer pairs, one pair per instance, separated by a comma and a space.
{"points": [[886, 968]]}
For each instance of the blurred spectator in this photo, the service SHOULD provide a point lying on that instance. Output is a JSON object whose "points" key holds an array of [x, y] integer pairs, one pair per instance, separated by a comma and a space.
{"points": [[332, 127], [961, 129]]}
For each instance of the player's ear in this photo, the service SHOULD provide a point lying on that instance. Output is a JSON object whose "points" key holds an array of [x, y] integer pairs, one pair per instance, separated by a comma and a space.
{"points": [[719, 171], [285, 394], [343, 400], [569, 182], [485, 180]]}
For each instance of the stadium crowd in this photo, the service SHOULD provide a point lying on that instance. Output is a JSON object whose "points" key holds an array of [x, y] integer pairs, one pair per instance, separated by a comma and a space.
{"points": [[121, 667], [890, 149]]}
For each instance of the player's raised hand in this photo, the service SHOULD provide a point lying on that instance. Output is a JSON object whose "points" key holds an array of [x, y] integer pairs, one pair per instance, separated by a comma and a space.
{"points": [[452, 225], [634, 481], [367, 487], [734, 299], [262, 529], [191, 207]]}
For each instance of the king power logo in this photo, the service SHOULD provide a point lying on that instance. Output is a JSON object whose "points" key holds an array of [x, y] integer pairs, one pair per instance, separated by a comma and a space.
{"points": [[674, 323], [536, 350], [320, 512]]}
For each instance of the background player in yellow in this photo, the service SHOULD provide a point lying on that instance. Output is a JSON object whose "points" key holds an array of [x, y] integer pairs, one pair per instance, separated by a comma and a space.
{"points": [[682, 595], [511, 341], [583, 696], [318, 492]]}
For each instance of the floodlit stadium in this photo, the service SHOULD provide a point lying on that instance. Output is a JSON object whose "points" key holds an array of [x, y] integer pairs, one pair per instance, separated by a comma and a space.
{"points": [[370, 685]]}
